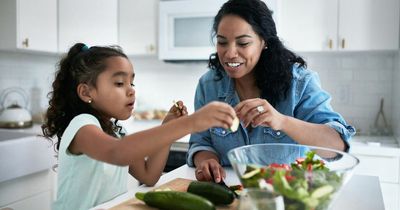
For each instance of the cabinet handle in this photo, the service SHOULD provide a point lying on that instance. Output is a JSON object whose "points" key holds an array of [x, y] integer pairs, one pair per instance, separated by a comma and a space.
{"points": [[343, 43], [330, 43], [25, 42], [151, 48]]}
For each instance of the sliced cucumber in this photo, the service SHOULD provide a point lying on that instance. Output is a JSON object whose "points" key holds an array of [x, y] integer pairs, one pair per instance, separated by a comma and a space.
{"points": [[322, 191], [251, 173]]}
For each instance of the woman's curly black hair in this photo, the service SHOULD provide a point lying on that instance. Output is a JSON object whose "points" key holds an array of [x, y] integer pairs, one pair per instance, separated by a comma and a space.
{"points": [[80, 65], [273, 72]]}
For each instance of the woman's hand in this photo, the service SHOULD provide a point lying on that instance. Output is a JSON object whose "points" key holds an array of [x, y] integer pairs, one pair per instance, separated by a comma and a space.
{"points": [[177, 110], [257, 112], [214, 114], [210, 170]]}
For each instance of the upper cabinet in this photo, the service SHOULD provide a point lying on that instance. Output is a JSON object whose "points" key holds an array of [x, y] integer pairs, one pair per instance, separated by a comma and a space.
{"points": [[353, 25], [93, 22], [28, 25], [369, 24], [137, 26]]}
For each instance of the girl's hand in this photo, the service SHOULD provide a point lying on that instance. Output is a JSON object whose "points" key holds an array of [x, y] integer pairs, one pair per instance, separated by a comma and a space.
{"points": [[257, 112], [214, 114], [210, 170], [177, 110]]}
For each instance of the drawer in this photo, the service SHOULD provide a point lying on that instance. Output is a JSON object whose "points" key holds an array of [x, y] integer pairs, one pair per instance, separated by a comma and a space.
{"points": [[385, 167], [40, 201]]}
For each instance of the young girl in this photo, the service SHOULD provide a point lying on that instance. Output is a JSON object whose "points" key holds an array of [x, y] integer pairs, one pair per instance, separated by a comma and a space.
{"points": [[93, 89]]}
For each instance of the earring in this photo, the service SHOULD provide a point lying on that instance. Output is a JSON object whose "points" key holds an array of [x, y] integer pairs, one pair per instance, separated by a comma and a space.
{"points": [[266, 47], [90, 101]]}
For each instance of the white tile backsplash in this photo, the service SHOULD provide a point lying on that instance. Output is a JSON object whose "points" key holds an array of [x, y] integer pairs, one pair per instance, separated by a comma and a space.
{"points": [[356, 80], [27, 70]]}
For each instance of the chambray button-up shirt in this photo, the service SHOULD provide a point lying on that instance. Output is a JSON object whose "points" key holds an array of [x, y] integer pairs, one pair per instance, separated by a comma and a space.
{"points": [[305, 101]]}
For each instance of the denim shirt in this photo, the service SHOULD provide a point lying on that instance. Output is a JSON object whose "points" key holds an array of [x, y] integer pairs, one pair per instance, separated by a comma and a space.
{"points": [[305, 100]]}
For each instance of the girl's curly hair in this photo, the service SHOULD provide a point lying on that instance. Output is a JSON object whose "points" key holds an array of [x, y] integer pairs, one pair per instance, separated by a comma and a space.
{"points": [[80, 65], [273, 71]]}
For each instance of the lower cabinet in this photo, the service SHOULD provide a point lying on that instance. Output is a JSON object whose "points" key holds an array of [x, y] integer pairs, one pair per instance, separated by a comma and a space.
{"points": [[41, 201], [391, 195], [33, 192], [383, 162]]}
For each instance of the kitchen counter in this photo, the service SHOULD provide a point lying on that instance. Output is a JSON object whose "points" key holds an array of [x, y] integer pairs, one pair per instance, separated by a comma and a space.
{"points": [[361, 193]]}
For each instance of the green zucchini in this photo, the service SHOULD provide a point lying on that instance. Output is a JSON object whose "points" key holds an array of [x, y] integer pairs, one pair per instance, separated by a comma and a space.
{"points": [[174, 200], [215, 193]]}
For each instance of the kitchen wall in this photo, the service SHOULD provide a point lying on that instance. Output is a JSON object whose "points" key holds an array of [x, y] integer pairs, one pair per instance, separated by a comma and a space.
{"points": [[396, 99], [26, 70], [357, 81]]}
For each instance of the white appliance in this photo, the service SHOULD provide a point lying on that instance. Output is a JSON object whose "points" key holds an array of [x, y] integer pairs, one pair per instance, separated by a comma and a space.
{"points": [[185, 28]]}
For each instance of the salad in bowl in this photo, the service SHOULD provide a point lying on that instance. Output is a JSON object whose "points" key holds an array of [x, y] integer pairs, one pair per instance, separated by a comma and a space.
{"points": [[307, 177]]}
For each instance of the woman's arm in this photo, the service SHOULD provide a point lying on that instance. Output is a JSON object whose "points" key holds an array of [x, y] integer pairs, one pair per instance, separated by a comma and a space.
{"points": [[208, 167], [312, 134]]}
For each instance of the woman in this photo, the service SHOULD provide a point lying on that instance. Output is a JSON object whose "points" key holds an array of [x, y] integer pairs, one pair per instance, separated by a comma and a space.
{"points": [[275, 97]]}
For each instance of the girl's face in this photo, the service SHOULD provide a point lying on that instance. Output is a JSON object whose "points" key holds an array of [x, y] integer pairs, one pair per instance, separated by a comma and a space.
{"points": [[238, 46], [114, 95]]}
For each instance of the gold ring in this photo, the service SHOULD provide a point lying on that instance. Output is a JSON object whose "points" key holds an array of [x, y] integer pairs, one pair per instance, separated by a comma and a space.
{"points": [[260, 109], [198, 171]]}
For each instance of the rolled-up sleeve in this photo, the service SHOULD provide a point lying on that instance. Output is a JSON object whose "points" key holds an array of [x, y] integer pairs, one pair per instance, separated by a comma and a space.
{"points": [[198, 142], [314, 106]]}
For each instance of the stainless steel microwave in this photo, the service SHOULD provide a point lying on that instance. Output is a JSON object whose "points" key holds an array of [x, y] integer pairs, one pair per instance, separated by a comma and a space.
{"points": [[185, 28]]}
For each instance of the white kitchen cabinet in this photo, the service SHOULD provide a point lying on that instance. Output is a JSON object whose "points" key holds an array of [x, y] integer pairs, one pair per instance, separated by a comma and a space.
{"points": [[391, 195], [32, 192], [137, 26], [307, 24], [28, 25], [345, 25], [41, 201], [382, 161], [93, 22]]}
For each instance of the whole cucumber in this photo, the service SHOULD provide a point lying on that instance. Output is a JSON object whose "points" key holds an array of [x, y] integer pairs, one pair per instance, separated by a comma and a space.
{"points": [[174, 200], [213, 192]]}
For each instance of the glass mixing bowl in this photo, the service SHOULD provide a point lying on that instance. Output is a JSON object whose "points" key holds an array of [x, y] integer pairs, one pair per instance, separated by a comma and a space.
{"points": [[308, 177]]}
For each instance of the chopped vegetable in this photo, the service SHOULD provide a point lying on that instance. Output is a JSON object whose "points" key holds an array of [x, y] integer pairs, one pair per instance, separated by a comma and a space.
{"points": [[307, 184], [235, 124]]}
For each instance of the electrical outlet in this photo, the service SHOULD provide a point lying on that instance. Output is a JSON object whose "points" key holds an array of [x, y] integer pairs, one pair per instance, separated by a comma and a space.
{"points": [[343, 94]]}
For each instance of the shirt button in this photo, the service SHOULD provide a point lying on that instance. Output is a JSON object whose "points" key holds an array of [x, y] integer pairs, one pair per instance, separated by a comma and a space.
{"points": [[278, 133]]}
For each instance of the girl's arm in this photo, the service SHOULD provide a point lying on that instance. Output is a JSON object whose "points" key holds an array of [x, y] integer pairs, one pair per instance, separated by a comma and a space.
{"points": [[93, 142], [149, 170]]}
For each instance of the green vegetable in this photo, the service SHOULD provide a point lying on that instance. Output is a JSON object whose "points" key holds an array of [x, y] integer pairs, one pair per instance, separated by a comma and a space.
{"points": [[306, 184], [215, 193], [174, 200]]}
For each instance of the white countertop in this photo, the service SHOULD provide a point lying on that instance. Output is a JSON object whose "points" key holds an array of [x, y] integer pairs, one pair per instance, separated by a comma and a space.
{"points": [[361, 193]]}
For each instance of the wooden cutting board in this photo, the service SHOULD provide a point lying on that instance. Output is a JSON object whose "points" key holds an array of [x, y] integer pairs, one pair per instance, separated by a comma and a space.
{"points": [[177, 184]]}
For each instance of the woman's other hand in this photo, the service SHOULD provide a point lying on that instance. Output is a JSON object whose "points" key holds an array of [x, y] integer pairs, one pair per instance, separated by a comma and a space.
{"points": [[214, 114], [210, 170], [257, 112], [177, 110]]}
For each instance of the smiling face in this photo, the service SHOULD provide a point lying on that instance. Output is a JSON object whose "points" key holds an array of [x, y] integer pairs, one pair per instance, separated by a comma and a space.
{"points": [[238, 46], [114, 95]]}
